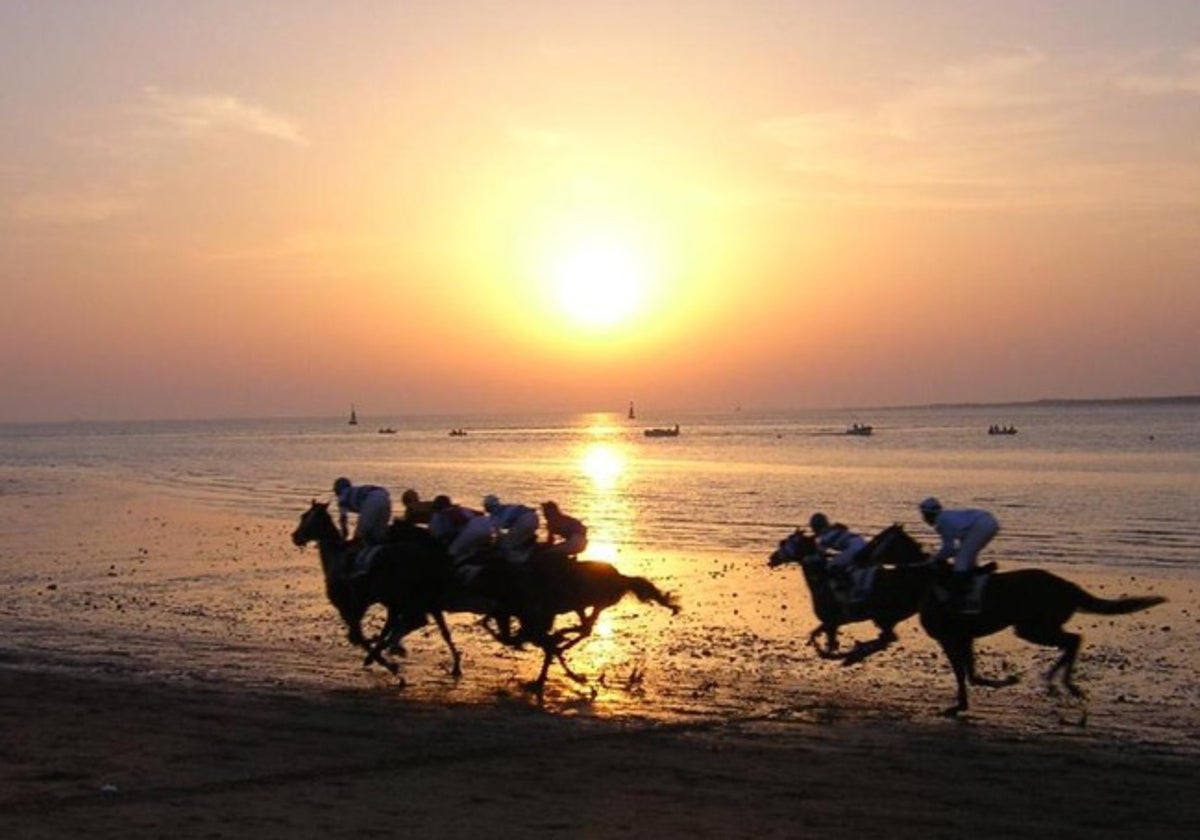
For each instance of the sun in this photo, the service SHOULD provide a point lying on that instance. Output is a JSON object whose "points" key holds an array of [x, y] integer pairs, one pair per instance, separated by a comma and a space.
{"points": [[601, 281]]}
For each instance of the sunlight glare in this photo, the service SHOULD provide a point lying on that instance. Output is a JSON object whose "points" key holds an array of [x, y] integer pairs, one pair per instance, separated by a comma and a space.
{"points": [[600, 281]]}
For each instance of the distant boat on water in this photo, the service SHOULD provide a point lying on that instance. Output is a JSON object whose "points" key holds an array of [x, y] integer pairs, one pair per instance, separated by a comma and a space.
{"points": [[632, 416], [387, 430], [667, 432], [353, 416], [1002, 430], [861, 429], [458, 433]]}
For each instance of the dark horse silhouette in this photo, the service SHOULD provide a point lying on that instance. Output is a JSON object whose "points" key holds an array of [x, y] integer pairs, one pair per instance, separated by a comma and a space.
{"points": [[1034, 602], [556, 586], [407, 576], [895, 595], [412, 577]]}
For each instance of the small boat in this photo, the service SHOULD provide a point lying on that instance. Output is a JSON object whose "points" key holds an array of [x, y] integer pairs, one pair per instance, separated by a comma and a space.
{"points": [[631, 414], [861, 429], [458, 433], [1002, 430], [668, 432], [387, 430], [353, 416]]}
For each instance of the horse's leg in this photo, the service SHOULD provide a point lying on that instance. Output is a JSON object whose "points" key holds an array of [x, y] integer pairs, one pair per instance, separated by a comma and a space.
{"points": [[561, 646], [539, 685], [455, 656], [864, 649], [1066, 642], [558, 654], [958, 650], [375, 653], [830, 631], [988, 682]]}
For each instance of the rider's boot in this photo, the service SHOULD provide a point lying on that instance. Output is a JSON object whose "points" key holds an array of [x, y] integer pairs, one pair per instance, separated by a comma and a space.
{"points": [[960, 589]]}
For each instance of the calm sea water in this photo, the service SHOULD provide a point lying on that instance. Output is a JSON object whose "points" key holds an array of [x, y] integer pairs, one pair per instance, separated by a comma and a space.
{"points": [[1109, 484]]}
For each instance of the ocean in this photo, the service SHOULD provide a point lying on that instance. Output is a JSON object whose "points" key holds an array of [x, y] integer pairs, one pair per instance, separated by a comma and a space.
{"points": [[1110, 484]]}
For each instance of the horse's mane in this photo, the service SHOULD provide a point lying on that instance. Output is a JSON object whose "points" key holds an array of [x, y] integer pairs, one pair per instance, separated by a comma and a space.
{"points": [[884, 538]]}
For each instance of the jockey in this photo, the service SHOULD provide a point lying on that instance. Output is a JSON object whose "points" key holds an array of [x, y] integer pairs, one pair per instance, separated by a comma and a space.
{"points": [[416, 510], [964, 534], [845, 546], [373, 506], [463, 531], [517, 526], [571, 530]]}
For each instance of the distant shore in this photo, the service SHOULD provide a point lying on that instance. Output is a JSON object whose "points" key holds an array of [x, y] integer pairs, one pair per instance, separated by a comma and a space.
{"points": [[1060, 402], [1048, 402]]}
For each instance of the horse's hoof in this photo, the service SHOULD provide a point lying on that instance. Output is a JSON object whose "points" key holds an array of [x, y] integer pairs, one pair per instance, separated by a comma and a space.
{"points": [[953, 711], [857, 655]]}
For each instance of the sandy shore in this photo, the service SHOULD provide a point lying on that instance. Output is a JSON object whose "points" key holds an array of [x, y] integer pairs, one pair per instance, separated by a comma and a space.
{"points": [[168, 668], [105, 757]]}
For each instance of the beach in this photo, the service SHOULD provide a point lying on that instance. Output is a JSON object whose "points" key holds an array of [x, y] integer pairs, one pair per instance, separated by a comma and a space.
{"points": [[103, 757], [173, 668]]}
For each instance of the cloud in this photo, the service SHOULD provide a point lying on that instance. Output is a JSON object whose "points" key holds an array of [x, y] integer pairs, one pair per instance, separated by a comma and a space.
{"points": [[206, 114], [68, 208], [1009, 129], [1184, 78]]}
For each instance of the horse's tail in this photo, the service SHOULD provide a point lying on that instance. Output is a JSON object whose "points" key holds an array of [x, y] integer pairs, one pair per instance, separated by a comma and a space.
{"points": [[647, 591], [1118, 606]]}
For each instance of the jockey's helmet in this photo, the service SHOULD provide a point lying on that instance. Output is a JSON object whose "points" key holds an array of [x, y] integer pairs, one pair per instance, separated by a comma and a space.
{"points": [[930, 508], [818, 522], [490, 502], [341, 485]]}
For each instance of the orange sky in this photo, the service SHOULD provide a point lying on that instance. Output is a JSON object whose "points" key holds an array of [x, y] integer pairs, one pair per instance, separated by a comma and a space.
{"points": [[258, 209]]}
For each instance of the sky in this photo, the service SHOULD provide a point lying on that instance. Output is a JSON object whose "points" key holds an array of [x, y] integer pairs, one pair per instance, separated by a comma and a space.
{"points": [[257, 209]]}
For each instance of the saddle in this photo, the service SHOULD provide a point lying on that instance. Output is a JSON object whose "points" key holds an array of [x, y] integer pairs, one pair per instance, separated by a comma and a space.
{"points": [[971, 598], [853, 588]]}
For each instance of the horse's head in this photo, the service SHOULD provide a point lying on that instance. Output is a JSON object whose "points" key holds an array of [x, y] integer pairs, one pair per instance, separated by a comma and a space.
{"points": [[894, 545], [315, 524], [795, 548]]}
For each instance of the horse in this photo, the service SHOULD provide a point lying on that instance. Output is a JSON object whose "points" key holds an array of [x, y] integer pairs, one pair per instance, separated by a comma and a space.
{"points": [[551, 587], [1034, 602], [406, 576], [895, 595]]}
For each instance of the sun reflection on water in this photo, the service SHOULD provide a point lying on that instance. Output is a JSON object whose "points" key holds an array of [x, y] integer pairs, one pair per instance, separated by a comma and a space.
{"points": [[604, 464]]}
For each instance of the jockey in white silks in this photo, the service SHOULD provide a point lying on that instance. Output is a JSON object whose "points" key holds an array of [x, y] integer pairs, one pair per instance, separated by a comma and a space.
{"points": [[373, 506], [964, 534], [517, 526]]}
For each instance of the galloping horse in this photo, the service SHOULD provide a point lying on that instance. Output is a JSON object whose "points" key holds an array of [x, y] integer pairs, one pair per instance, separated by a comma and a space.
{"points": [[406, 576], [562, 586], [895, 595], [1034, 602]]}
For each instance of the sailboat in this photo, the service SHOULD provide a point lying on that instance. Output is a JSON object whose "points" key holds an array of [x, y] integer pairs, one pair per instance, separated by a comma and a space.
{"points": [[631, 414], [353, 416]]}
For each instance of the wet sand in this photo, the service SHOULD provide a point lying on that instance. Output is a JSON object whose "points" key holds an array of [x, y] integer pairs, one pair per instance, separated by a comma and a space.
{"points": [[103, 757], [168, 668]]}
